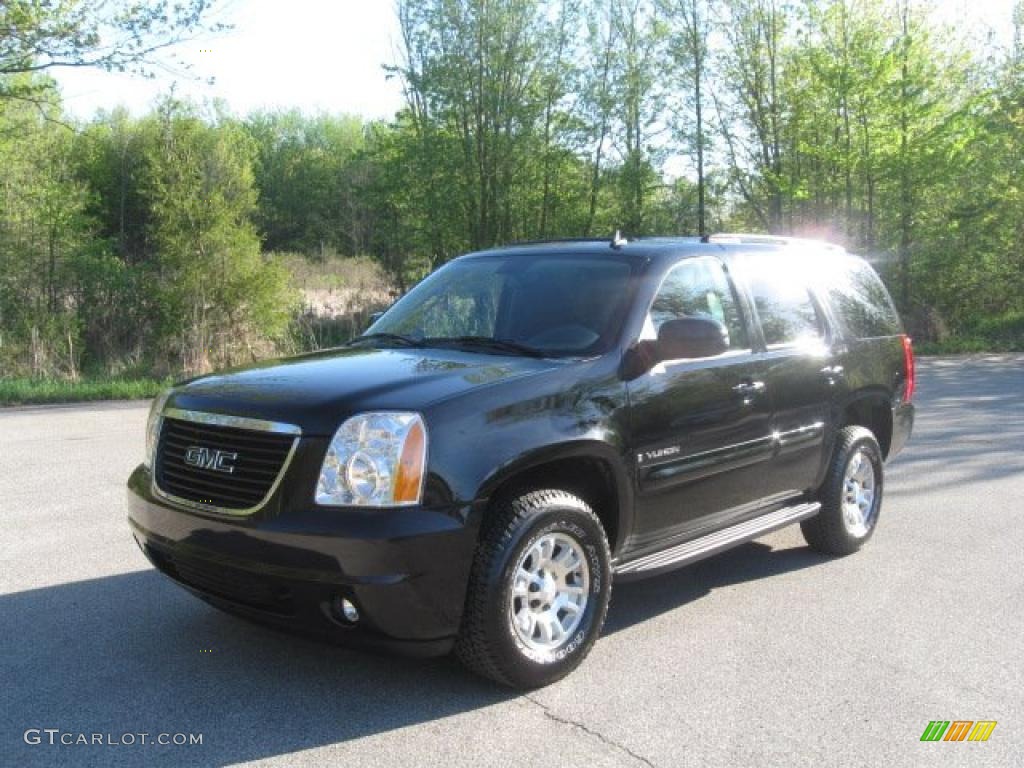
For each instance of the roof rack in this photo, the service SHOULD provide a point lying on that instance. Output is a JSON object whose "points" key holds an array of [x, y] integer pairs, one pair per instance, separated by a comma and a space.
{"points": [[545, 240], [759, 239], [616, 240]]}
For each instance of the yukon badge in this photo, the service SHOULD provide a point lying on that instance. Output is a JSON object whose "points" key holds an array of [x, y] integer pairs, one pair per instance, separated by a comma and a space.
{"points": [[207, 458], [660, 453]]}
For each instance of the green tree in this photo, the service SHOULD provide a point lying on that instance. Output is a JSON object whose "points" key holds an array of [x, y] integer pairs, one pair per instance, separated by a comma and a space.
{"points": [[471, 72], [44, 229], [689, 29], [309, 197], [752, 118], [214, 296], [639, 95], [37, 36]]}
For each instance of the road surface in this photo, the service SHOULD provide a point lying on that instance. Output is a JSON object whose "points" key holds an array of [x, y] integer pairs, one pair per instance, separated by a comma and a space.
{"points": [[768, 655]]}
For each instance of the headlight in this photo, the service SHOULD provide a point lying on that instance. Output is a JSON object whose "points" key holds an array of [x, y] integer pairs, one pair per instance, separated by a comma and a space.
{"points": [[375, 460], [153, 426]]}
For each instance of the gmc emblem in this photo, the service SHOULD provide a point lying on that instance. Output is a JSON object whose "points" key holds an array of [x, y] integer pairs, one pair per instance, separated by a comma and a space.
{"points": [[208, 458]]}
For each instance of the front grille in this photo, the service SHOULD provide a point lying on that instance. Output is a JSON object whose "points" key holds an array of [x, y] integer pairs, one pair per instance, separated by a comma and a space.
{"points": [[256, 459]]}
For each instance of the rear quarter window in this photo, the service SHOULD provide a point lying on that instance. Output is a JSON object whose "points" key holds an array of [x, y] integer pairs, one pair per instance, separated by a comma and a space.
{"points": [[861, 304]]}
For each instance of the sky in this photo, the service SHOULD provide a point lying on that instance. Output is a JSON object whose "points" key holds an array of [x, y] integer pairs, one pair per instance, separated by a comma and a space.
{"points": [[326, 55], [317, 55]]}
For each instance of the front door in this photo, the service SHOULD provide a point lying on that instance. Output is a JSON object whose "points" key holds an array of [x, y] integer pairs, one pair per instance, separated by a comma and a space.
{"points": [[701, 433]]}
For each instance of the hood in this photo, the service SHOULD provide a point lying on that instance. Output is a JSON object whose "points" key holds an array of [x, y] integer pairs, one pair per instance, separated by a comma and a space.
{"points": [[318, 391]]}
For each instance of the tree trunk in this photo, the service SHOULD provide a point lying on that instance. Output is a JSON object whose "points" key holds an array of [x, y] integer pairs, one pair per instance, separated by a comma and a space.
{"points": [[698, 75], [906, 181]]}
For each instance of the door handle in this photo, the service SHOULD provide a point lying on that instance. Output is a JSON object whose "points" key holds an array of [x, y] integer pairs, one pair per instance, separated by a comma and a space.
{"points": [[749, 388]]}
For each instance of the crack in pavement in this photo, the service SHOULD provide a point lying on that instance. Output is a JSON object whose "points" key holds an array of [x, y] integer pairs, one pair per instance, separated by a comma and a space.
{"points": [[590, 731]]}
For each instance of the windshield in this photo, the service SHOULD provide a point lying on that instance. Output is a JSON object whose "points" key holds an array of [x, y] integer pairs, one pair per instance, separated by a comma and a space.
{"points": [[555, 305]]}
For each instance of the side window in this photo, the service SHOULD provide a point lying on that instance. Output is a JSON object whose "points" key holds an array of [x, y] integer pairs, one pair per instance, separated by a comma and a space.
{"points": [[783, 303], [697, 288], [863, 306]]}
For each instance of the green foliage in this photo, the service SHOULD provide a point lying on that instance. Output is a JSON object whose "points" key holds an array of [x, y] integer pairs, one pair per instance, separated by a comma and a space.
{"points": [[214, 296], [149, 243], [133, 242], [40, 35], [44, 231], [306, 172], [25, 391]]}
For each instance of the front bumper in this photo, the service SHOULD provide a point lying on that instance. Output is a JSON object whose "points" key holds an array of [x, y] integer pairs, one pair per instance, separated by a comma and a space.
{"points": [[406, 569]]}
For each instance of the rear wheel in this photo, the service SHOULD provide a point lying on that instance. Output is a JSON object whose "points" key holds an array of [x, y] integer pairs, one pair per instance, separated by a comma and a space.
{"points": [[851, 496], [538, 592]]}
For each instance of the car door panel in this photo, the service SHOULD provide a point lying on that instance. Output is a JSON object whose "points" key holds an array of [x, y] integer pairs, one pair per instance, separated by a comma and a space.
{"points": [[801, 373], [800, 397], [700, 446], [701, 431]]}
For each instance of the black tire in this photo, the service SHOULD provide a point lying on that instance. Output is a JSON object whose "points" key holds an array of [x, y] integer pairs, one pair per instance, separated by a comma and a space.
{"points": [[488, 644], [828, 531]]}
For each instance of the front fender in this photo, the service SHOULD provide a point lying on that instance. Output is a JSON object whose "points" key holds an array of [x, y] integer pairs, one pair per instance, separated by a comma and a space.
{"points": [[478, 443], [609, 456]]}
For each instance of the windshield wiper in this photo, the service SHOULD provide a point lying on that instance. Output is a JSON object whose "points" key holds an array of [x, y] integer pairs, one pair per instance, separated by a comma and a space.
{"points": [[486, 342], [397, 338]]}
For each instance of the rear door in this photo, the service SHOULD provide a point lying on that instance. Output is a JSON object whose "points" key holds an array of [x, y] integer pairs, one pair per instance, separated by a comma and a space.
{"points": [[700, 427], [801, 373]]}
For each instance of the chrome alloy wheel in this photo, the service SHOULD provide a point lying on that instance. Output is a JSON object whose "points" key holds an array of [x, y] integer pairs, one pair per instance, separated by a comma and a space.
{"points": [[859, 489], [550, 589]]}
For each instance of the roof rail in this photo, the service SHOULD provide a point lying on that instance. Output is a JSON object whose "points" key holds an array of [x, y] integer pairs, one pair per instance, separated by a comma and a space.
{"points": [[545, 240], [616, 240], [759, 239]]}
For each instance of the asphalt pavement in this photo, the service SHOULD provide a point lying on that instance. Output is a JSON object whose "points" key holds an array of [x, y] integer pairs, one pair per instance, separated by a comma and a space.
{"points": [[767, 655]]}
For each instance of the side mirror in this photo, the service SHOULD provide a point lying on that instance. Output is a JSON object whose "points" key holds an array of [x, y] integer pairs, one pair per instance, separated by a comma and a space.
{"points": [[690, 337]]}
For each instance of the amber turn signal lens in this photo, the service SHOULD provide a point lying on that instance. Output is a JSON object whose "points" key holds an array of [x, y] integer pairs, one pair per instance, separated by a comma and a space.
{"points": [[409, 477]]}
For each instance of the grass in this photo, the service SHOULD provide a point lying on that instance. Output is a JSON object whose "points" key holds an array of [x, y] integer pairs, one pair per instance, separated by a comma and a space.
{"points": [[331, 273], [999, 333], [25, 391]]}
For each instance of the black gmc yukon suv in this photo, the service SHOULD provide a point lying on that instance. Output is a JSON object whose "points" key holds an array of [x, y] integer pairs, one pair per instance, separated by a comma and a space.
{"points": [[525, 426]]}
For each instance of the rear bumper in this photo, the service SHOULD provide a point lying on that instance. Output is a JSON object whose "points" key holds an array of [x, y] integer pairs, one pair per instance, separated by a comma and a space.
{"points": [[902, 427], [406, 570]]}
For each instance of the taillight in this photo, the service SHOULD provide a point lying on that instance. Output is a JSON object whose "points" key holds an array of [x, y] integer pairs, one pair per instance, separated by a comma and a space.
{"points": [[908, 369]]}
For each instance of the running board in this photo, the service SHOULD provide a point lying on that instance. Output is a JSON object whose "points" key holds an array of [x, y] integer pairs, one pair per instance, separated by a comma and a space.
{"points": [[719, 541]]}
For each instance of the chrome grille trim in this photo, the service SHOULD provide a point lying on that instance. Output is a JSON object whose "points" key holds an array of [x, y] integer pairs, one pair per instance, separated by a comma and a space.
{"points": [[237, 422]]}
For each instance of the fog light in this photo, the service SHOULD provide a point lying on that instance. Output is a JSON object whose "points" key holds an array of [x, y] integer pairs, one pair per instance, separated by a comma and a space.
{"points": [[344, 609], [349, 611]]}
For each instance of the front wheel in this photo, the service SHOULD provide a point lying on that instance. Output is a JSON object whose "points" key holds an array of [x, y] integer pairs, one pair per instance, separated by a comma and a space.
{"points": [[538, 592], [851, 496]]}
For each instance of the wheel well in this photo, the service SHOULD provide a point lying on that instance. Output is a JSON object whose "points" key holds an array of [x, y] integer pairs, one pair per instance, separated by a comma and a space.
{"points": [[874, 414], [589, 478]]}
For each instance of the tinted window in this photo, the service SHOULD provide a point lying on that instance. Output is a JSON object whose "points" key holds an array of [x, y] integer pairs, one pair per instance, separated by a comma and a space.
{"points": [[698, 288], [861, 302], [783, 303], [559, 304]]}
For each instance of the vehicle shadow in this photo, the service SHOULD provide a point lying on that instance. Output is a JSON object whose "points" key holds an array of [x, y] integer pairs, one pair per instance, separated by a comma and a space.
{"points": [[133, 653], [634, 602]]}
